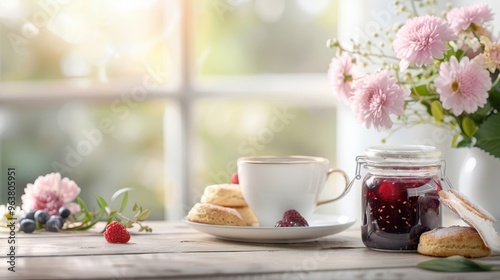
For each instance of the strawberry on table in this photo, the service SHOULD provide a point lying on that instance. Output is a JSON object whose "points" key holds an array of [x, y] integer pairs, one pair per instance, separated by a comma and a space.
{"points": [[116, 233]]}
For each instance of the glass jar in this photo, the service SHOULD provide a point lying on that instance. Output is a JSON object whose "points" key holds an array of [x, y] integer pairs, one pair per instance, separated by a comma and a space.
{"points": [[400, 195]]}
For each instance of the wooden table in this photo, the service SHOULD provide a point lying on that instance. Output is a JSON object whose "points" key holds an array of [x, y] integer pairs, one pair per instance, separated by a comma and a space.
{"points": [[175, 251]]}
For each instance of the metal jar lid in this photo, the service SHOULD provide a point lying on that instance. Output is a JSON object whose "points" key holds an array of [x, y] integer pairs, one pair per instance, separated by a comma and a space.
{"points": [[412, 155]]}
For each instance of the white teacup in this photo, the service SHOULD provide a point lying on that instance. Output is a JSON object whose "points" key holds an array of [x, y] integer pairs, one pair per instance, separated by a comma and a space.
{"points": [[272, 185]]}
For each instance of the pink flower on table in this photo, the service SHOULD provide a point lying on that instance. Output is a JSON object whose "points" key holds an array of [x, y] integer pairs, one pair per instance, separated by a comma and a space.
{"points": [[376, 97], [462, 86], [421, 39], [340, 75], [469, 16], [49, 193]]}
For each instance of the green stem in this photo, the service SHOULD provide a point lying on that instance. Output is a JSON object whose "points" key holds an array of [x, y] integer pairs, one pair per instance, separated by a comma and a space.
{"points": [[414, 7], [496, 82]]}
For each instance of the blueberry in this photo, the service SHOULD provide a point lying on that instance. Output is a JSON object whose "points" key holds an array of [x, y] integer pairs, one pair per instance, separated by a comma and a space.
{"points": [[55, 223], [64, 212], [429, 201], [30, 215], [416, 231], [42, 216], [21, 218], [28, 226]]}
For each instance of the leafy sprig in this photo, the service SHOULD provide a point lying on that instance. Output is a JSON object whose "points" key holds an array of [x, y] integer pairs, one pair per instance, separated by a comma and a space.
{"points": [[87, 218]]}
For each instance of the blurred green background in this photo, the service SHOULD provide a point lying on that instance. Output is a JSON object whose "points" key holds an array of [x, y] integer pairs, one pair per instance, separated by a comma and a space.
{"points": [[56, 58]]}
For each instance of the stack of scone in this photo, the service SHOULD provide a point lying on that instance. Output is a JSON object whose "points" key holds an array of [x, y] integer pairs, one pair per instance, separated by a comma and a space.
{"points": [[222, 204]]}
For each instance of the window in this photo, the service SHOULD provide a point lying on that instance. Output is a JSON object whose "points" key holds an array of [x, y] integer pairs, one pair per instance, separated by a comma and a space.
{"points": [[161, 96]]}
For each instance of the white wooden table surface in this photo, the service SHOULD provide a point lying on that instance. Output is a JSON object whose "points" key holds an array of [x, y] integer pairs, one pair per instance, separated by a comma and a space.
{"points": [[175, 251]]}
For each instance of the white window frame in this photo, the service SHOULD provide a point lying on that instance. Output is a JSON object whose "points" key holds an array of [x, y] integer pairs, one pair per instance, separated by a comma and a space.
{"points": [[307, 90]]}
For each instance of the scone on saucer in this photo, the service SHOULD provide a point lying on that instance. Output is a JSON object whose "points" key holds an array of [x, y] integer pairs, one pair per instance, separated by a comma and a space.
{"points": [[228, 195], [247, 215], [215, 215]]}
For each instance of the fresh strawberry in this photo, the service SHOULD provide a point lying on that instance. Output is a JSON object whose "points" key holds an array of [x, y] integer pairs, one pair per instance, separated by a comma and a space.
{"points": [[234, 179], [116, 233]]}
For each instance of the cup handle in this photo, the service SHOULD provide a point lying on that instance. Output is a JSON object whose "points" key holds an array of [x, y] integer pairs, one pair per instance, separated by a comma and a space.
{"points": [[346, 188]]}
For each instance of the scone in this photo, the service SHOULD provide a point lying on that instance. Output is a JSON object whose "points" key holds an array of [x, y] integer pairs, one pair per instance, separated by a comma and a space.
{"points": [[452, 241], [247, 215], [224, 195], [215, 215], [474, 215]]}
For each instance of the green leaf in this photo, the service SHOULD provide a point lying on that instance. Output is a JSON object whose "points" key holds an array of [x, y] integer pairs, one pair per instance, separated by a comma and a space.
{"points": [[134, 208], [129, 224], [84, 226], [142, 215], [112, 213], [109, 220], [450, 52], [102, 203], [124, 202], [488, 135], [420, 90], [437, 110], [469, 127], [119, 192], [454, 140], [464, 143], [454, 264], [84, 208], [494, 96]]}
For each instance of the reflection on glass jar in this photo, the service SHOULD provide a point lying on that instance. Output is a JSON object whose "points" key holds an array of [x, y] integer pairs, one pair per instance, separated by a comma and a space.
{"points": [[399, 196]]}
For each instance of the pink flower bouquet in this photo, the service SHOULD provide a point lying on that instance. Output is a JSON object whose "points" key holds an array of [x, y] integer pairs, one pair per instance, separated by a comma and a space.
{"points": [[439, 70]]}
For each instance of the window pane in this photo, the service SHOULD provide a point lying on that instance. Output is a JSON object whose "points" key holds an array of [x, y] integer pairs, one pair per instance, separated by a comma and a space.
{"points": [[96, 40], [102, 147], [263, 36], [228, 129]]}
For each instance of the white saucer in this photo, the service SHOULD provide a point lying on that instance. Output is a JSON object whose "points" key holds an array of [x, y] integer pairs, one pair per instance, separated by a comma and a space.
{"points": [[320, 225]]}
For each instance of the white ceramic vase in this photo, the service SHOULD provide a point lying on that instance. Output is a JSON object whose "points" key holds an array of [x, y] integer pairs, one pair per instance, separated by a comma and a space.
{"points": [[479, 180]]}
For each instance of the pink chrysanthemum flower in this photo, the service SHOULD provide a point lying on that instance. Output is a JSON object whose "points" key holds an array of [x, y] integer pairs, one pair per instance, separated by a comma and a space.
{"points": [[49, 193], [376, 97], [462, 86], [473, 16], [421, 39], [340, 75]]}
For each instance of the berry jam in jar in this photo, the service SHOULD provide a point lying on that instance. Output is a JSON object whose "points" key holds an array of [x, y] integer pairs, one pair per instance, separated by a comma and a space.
{"points": [[399, 195]]}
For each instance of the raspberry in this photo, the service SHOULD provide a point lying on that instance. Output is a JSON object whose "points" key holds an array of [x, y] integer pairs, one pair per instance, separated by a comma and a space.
{"points": [[292, 218], [390, 191], [116, 233], [234, 179]]}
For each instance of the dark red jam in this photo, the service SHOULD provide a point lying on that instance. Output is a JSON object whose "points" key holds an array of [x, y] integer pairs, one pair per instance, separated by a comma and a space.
{"points": [[397, 210]]}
